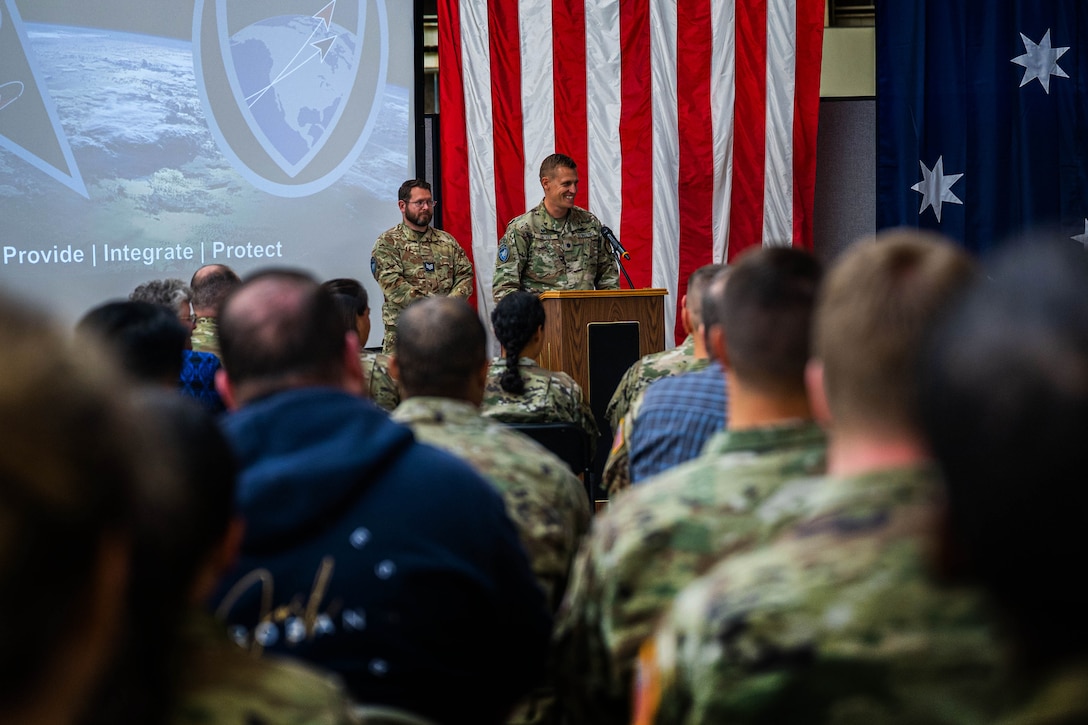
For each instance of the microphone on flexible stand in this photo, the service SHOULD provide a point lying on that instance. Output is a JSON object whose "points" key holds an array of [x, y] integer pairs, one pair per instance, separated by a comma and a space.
{"points": [[618, 251]]}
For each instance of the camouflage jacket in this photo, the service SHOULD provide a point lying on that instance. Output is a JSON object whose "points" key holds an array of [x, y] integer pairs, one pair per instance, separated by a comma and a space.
{"points": [[1055, 697], [381, 388], [539, 253], [550, 397], [680, 359], [657, 537], [223, 684], [837, 621], [623, 406], [544, 499], [409, 265], [205, 335]]}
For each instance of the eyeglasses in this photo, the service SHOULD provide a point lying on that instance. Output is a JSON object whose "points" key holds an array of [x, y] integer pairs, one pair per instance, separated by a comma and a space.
{"points": [[423, 203]]}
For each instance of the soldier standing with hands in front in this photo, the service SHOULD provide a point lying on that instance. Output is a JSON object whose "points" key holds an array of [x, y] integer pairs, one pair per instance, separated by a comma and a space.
{"points": [[414, 260]]}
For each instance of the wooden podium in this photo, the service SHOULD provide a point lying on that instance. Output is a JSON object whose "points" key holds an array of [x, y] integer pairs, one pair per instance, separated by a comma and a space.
{"points": [[590, 333]]}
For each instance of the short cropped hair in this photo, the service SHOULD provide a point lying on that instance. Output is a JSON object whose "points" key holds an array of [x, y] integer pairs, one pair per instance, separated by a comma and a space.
{"points": [[872, 311], [1004, 404], [72, 456], [280, 325], [148, 339], [697, 284], [766, 313], [441, 344], [405, 191], [166, 292], [556, 161], [210, 289]]}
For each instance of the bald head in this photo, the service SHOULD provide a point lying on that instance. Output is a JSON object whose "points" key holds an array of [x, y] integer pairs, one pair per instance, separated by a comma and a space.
{"points": [[210, 286], [441, 348], [281, 329]]}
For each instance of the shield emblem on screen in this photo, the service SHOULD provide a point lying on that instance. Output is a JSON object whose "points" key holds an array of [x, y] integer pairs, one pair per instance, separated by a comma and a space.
{"points": [[291, 86]]}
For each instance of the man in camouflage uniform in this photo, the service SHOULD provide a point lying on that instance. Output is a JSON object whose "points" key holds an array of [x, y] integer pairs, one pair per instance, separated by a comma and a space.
{"points": [[442, 370], [414, 260], [837, 620], [555, 245], [1004, 400], [210, 285], [441, 361], [690, 356], [660, 535]]}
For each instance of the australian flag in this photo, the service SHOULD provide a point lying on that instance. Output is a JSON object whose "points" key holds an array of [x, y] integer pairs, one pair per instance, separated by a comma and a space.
{"points": [[982, 118]]}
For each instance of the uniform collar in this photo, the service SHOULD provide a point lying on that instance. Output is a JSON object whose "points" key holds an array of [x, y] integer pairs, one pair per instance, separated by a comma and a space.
{"points": [[415, 236], [429, 409]]}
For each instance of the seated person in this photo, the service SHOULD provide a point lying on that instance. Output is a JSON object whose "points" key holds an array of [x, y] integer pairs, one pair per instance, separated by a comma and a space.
{"points": [[146, 339], [354, 305], [520, 391], [71, 456]]}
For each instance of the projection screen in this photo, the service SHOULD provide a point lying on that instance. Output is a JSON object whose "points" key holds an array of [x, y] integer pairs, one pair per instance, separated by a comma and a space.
{"points": [[140, 140]]}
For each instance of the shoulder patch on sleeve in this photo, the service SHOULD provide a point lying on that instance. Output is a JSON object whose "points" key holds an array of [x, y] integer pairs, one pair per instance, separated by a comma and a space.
{"points": [[373, 267], [504, 252]]}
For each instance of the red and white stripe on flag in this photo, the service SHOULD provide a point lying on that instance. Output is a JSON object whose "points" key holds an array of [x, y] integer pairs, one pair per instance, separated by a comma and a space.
{"points": [[693, 123]]}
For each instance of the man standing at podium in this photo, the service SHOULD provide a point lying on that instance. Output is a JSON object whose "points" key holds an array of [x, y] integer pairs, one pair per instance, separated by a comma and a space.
{"points": [[556, 245]]}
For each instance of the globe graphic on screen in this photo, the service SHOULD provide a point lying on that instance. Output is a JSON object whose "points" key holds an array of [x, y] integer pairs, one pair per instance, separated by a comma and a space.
{"points": [[294, 74]]}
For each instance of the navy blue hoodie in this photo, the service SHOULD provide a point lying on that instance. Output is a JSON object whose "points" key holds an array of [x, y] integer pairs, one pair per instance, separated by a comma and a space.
{"points": [[380, 558]]}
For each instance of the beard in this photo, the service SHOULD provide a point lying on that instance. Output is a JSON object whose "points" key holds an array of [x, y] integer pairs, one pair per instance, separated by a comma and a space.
{"points": [[420, 218]]}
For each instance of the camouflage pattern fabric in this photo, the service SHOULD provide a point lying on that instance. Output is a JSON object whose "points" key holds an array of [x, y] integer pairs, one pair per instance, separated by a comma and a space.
{"points": [[657, 537], [1058, 698], [544, 499], [205, 335], [223, 685], [409, 265], [838, 621], [680, 359], [381, 387], [539, 253], [549, 397]]}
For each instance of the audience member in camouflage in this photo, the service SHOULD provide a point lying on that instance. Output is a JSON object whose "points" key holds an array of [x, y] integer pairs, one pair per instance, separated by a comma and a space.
{"points": [[556, 245], [680, 359], [441, 362], [691, 356], [837, 622], [660, 535], [863, 531], [545, 500], [381, 387], [210, 285], [414, 260], [518, 390], [353, 303], [1004, 403], [221, 684]]}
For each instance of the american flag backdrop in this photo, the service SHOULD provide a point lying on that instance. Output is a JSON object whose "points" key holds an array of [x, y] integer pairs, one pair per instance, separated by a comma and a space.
{"points": [[693, 123], [982, 118]]}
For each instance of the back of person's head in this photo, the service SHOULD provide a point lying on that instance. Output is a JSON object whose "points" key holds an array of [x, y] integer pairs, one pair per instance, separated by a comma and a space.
{"points": [[516, 319], [280, 329], [210, 285], [556, 161], [1004, 403], [871, 313], [170, 293], [148, 339], [180, 523], [354, 305], [765, 308], [441, 345], [351, 288], [696, 289], [72, 455]]}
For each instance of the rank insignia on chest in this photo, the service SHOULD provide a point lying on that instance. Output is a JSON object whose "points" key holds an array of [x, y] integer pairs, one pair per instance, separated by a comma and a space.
{"points": [[504, 253], [428, 266]]}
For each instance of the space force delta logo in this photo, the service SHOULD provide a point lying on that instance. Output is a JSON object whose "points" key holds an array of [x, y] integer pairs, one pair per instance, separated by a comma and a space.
{"points": [[291, 88]]}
